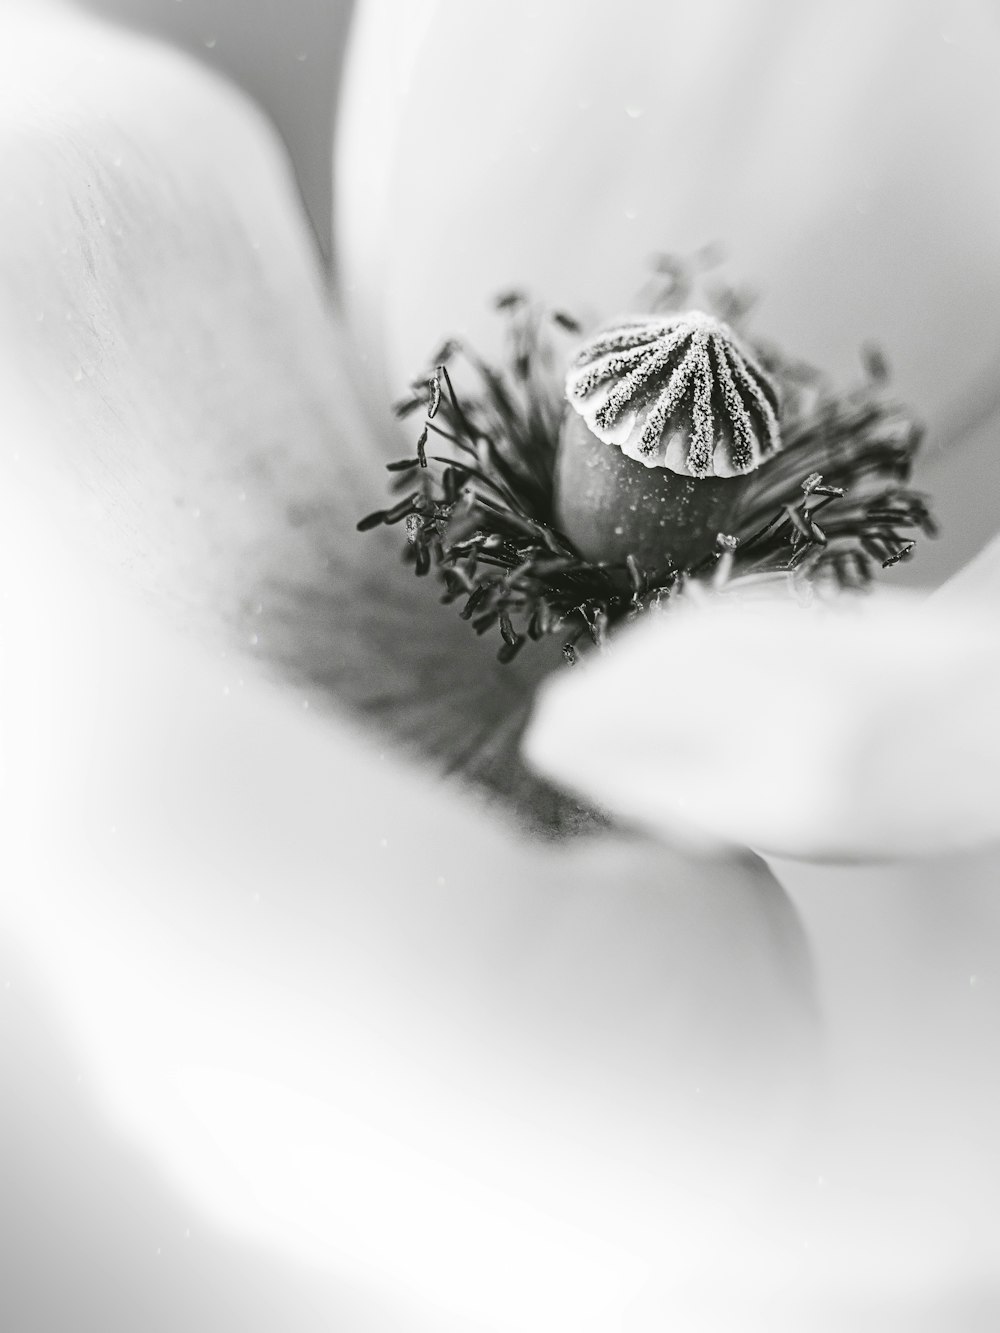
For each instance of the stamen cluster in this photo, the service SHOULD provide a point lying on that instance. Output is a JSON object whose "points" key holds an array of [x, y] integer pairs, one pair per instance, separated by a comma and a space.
{"points": [[833, 506]]}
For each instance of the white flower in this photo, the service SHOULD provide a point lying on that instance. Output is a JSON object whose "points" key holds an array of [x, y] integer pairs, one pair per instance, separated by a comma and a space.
{"points": [[475, 1081]]}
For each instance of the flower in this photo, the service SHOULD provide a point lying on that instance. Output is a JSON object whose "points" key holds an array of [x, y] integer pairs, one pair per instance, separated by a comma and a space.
{"points": [[345, 1008]]}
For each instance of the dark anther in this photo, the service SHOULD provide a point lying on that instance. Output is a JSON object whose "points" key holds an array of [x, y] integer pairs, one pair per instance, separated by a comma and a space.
{"points": [[875, 363], [476, 600], [404, 465], [435, 388], [371, 521], [565, 321], [422, 448], [507, 632], [903, 553], [423, 561], [510, 649]]}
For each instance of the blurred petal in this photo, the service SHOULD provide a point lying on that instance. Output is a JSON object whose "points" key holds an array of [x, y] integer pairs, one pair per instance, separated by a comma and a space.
{"points": [[350, 1014], [163, 317], [976, 585], [179, 391], [865, 729], [908, 963]]}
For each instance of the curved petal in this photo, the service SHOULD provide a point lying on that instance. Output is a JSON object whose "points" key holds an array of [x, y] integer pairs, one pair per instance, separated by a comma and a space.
{"points": [[163, 318], [358, 1018], [185, 399], [907, 961], [865, 729]]}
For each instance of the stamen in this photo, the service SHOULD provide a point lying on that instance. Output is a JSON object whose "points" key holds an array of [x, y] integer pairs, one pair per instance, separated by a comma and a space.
{"points": [[483, 515], [435, 388]]}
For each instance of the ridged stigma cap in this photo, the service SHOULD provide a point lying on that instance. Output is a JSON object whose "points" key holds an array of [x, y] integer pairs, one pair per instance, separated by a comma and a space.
{"points": [[677, 392]]}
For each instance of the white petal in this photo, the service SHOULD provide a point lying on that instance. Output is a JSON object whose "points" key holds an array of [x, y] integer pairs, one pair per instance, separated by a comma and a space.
{"points": [[354, 1017], [866, 730], [181, 395], [837, 153], [164, 321]]}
